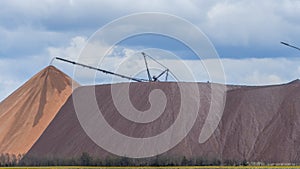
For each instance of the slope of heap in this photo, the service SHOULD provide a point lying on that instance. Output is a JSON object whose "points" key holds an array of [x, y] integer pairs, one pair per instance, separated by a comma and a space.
{"points": [[26, 113], [258, 123]]}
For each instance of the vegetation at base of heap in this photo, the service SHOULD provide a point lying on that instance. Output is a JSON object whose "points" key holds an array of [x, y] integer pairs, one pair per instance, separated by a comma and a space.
{"points": [[87, 160]]}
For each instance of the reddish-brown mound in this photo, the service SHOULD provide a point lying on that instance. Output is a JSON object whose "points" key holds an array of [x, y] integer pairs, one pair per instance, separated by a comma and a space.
{"points": [[258, 124], [26, 113]]}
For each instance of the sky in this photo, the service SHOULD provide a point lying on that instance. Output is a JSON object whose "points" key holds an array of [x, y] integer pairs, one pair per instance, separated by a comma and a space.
{"points": [[245, 33]]}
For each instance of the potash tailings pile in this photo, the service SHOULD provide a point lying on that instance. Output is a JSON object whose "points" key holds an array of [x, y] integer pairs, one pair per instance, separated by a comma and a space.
{"points": [[258, 124]]}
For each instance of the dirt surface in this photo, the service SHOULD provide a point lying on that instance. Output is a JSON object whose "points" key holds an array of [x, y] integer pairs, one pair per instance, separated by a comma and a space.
{"points": [[26, 113], [258, 123]]}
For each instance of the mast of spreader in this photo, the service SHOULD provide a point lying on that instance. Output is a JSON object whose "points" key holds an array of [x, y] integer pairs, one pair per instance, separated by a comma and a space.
{"points": [[292, 46], [150, 79]]}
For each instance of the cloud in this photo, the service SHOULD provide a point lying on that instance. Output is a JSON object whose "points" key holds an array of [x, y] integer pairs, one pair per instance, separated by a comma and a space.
{"points": [[129, 61], [71, 51], [65, 15], [34, 25], [264, 71], [227, 22], [253, 22], [34, 31], [16, 71], [27, 41]]}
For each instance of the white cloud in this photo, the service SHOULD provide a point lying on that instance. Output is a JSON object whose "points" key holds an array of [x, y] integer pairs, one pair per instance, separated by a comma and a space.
{"points": [[34, 31], [129, 61], [71, 51], [16, 71], [262, 78], [266, 71], [26, 41], [249, 22], [249, 71], [227, 22], [237, 71]]}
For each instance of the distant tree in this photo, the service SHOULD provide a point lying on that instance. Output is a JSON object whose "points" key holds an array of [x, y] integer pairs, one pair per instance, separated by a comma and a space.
{"points": [[228, 162], [184, 161], [124, 161], [109, 161], [7, 159], [216, 162], [14, 160], [85, 159], [200, 161], [231, 162], [98, 162], [245, 163], [155, 162]]}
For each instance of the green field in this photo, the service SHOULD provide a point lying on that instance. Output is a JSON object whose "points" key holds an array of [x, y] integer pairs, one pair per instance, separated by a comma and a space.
{"points": [[171, 167]]}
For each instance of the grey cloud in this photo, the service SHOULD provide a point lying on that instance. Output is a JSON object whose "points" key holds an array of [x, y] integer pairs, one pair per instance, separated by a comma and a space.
{"points": [[29, 28], [226, 22]]}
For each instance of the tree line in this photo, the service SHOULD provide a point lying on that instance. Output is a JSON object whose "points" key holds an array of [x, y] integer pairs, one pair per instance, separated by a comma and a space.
{"points": [[87, 160]]}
